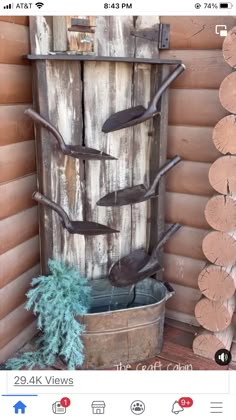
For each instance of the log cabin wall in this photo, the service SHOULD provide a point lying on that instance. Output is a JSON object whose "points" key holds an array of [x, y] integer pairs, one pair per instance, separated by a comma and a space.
{"points": [[19, 249], [194, 110]]}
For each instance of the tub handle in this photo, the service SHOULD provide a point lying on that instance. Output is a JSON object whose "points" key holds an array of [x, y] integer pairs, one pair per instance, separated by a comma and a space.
{"points": [[170, 290]]}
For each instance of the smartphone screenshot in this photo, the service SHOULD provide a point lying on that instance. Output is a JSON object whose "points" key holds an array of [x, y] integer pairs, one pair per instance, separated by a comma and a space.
{"points": [[117, 210]]}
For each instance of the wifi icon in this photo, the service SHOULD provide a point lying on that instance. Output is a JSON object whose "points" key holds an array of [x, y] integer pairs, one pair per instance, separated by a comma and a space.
{"points": [[39, 4]]}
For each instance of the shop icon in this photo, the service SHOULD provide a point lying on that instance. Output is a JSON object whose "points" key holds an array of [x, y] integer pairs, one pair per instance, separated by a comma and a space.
{"points": [[98, 407]]}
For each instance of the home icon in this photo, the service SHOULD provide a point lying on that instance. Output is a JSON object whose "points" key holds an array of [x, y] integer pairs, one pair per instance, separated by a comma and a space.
{"points": [[19, 407], [98, 407]]}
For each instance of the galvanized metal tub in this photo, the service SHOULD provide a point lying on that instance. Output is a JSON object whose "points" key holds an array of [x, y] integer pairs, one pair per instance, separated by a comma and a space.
{"points": [[118, 335]]}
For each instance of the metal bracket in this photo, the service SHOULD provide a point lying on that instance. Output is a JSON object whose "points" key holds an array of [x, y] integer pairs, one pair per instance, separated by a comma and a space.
{"points": [[160, 34], [81, 25]]}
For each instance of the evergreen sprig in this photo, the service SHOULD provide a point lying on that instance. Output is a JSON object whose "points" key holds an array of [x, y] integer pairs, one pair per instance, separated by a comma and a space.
{"points": [[57, 300]]}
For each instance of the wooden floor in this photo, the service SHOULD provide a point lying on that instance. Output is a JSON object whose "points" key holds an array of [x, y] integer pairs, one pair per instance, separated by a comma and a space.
{"points": [[176, 354]]}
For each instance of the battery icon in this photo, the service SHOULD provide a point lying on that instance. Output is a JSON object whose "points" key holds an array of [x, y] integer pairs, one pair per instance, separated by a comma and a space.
{"points": [[226, 5]]}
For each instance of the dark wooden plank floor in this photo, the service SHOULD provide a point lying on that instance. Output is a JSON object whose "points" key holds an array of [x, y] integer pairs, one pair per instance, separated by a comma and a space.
{"points": [[176, 354]]}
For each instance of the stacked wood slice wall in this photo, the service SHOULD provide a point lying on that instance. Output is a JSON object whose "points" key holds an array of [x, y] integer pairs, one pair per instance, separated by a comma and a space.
{"points": [[217, 280], [19, 250], [194, 110]]}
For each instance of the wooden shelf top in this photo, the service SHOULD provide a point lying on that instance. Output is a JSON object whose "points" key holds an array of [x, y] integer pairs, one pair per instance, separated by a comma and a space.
{"points": [[81, 57]]}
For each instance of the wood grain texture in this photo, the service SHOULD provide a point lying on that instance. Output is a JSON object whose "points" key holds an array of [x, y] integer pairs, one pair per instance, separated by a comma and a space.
{"points": [[222, 175], [17, 342], [224, 135], [192, 143], [217, 283], [61, 178], [14, 43], [215, 315], [187, 242], [205, 69], [13, 294], [15, 322], [184, 300], [15, 196], [220, 213], [229, 47], [16, 84], [207, 343], [220, 248], [196, 32], [18, 228], [189, 178], [113, 82], [17, 160], [15, 125], [18, 260], [180, 113], [186, 209], [18, 20], [227, 93], [182, 270]]}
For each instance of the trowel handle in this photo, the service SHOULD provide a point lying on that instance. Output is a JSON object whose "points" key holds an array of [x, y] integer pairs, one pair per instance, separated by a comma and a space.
{"points": [[165, 237], [161, 172], [40, 198], [170, 290], [165, 84], [44, 123]]}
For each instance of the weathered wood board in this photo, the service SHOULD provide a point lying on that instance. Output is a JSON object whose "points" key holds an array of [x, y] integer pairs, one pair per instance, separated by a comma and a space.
{"points": [[77, 98]]}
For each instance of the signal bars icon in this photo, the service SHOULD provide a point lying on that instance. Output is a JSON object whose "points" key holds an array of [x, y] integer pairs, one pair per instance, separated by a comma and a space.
{"points": [[8, 6]]}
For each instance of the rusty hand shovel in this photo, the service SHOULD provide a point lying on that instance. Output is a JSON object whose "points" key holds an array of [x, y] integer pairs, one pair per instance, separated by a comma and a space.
{"points": [[82, 228], [138, 114], [138, 265], [79, 152], [138, 193]]}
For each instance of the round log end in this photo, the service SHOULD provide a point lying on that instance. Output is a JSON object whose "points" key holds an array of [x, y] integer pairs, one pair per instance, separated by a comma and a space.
{"points": [[216, 283], [219, 248], [206, 344], [229, 50], [227, 93], [214, 316], [220, 213], [222, 175], [224, 135]]}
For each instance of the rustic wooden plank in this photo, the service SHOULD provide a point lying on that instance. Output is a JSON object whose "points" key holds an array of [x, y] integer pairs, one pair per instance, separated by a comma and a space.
{"points": [[180, 113], [16, 84], [192, 143], [182, 270], [187, 242], [182, 317], [17, 160], [18, 228], [18, 260], [196, 32], [59, 33], [15, 196], [13, 324], [13, 294], [17, 342], [60, 177], [18, 20], [111, 91], [205, 69], [41, 31], [184, 300], [190, 178], [148, 152], [186, 209], [15, 126], [14, 43]]}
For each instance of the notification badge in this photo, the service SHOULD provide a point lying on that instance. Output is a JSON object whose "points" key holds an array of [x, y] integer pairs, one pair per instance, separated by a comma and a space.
{"points": [[180, 404]]}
